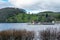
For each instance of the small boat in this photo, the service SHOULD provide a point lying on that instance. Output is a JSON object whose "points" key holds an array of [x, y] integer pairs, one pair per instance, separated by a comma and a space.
{"points": [[47, 23], [42, 23], [33, 23]]}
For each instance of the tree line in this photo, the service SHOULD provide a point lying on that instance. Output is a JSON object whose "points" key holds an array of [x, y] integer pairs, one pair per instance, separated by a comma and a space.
{"points": [[16, 15]]}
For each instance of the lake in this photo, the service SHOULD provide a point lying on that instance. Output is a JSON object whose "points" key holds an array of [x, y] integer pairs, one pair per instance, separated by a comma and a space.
{"points": [[22, 26], [18, 26]]}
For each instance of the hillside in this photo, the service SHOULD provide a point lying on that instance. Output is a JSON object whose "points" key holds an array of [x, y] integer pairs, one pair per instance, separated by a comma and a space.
{"points": [[15, 15], [8, 12]]}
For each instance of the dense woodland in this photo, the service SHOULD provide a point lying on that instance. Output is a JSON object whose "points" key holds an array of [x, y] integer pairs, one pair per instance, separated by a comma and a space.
{"points": [[16, 15]]}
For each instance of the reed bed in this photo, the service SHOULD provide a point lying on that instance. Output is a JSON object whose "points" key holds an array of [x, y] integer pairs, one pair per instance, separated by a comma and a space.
{"points": [[50, 34], [16, 35]]}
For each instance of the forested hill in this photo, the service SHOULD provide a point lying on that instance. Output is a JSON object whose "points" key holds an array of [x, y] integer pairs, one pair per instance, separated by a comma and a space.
{"points": [[16, 15], [5, 13], [49, 12]]}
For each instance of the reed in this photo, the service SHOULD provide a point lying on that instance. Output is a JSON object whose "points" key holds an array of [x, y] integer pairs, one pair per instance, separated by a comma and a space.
{"points": [[49, 34], [16, 35]]}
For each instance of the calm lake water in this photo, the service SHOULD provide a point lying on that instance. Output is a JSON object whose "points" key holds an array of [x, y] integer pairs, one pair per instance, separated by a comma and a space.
{"points": [[22, 26], [18, 26]]}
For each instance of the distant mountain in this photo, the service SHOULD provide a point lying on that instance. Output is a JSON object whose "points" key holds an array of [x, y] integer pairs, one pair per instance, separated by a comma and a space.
{"points": [[47, 12], [7, 12]]}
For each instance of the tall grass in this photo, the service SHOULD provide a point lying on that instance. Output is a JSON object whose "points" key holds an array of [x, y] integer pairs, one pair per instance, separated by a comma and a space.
{"points": [[50, 34], [16, 35]]}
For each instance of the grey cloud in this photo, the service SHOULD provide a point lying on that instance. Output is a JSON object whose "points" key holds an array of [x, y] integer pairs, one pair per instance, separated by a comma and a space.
{"points": [[52, 5]]}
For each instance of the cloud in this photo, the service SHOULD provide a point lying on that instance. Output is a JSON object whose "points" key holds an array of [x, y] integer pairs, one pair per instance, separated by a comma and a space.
{"points": [[23, 3], [4, 4], [37, 4]]}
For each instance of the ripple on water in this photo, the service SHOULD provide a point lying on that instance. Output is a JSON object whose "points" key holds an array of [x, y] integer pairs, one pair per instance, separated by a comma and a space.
{"points": [[5, 26]]}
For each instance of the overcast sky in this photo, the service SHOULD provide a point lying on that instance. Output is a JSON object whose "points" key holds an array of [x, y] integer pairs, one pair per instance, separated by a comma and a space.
{"points": [[32, 5]]}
